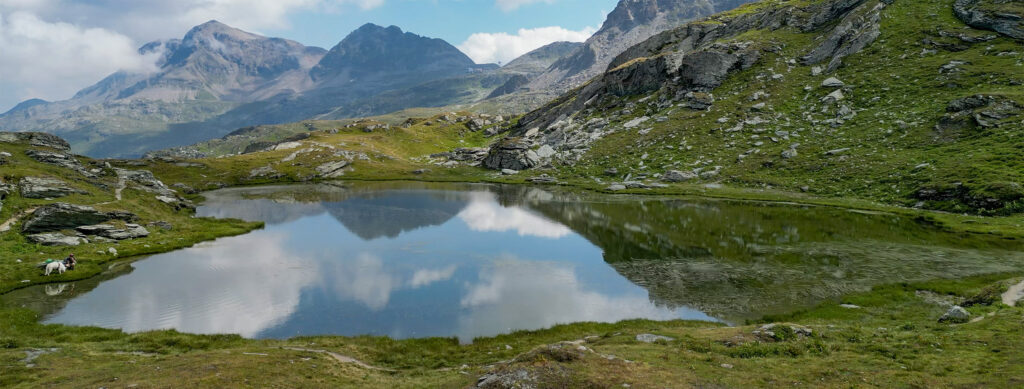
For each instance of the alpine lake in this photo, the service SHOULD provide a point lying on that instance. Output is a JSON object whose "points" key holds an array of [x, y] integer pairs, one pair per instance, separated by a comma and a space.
{"points": [[413, 260]]}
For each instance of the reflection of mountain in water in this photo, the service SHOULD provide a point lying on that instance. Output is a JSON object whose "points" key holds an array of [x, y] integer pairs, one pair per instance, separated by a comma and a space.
{"points": [[375, 215], [740, 260]]}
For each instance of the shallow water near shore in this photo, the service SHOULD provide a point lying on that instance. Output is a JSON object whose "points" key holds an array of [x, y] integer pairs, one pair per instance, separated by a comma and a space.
{"points": [[410, 260]]}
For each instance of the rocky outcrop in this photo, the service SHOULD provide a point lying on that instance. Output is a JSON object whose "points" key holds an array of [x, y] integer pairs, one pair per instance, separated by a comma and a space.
{"points": [[55, 239], [264, 172], [859, 29], [40, 139], [332, 169], [513, 154], [45, 187], [977, 112], [63, 160], [685, 65], [631, 22], [131, 231], [994, 15], [5, 189], [144, 179], [60, 216]]}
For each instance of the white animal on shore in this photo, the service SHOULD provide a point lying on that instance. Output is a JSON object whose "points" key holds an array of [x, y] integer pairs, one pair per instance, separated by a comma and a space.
{"points": [[55, 266]]}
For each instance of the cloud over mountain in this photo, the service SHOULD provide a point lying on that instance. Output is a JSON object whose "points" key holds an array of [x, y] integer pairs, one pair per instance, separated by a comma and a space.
{"points": [[503, 47]]}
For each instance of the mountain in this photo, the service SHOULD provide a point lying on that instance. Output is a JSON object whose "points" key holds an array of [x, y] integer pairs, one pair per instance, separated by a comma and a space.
{"points": [[911, 103], [377, 53], [217, 79], [631, 22]]}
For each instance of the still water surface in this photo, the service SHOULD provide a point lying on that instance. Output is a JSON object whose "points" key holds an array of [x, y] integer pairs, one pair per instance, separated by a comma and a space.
{"points": [[421, 260]]}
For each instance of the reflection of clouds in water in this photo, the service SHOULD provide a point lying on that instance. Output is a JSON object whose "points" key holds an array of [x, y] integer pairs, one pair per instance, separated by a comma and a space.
{"points": [[424, 277], [484, 214], [516, 294], [363, 279], [370, 281], [236, 286]]}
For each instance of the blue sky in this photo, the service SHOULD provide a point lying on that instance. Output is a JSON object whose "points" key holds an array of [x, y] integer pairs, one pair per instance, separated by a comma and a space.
{"points": [[50, 49], [453, 21]]}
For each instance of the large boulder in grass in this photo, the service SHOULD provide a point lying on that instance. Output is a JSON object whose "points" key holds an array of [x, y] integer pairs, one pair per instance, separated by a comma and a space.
{"points": [[61, 216], [1001, 16], [55, 239], [513, 154], [45, 187]]}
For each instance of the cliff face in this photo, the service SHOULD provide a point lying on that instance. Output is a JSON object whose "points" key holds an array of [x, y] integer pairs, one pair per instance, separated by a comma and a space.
{"points": [[631, 22], [691, 61]]}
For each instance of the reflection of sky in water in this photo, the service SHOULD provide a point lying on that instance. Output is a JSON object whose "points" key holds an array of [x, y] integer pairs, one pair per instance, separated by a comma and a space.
{"points": [[464, 266]]}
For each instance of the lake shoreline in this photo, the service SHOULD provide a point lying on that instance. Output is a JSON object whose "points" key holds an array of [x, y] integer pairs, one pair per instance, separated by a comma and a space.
{"points": [[409, 360]]}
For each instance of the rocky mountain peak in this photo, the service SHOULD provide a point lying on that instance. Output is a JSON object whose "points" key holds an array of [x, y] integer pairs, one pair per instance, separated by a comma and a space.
{"points": [[373, 50], [631, 22]]}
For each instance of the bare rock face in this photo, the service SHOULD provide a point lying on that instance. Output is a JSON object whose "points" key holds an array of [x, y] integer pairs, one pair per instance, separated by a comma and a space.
{"points": [[979, 112], [265, 172], [145, 180], [40, 139], [511, 154], [685, 65], [63, 160], [45, 187], [55, 239], [332, 169], [856, 31], [131, 231], [60, 216], [631, 22], [993, 15]]}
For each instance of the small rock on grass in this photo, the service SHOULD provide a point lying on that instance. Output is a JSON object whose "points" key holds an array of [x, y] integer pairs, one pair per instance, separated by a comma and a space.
{"points": [[651, 338], [956, 314]]}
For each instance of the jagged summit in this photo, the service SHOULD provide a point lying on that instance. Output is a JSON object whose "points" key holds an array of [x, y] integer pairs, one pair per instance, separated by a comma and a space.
{"points": [[373, 50], [631, 22]]}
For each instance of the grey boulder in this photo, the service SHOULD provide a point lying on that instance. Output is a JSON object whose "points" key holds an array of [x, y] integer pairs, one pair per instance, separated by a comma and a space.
{"points": [[678, 176], [55, 239], [511, 154], [956, 314], [59, 216], [45, 187]]}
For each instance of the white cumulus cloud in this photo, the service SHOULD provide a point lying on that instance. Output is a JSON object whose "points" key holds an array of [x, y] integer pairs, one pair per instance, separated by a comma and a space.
{"points": [[503, 47], [53, 60], [50, 49]]}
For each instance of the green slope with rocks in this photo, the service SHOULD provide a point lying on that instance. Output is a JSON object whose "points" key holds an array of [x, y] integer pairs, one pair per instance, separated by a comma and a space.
{"points": [[894, 101], [53, 203]]}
